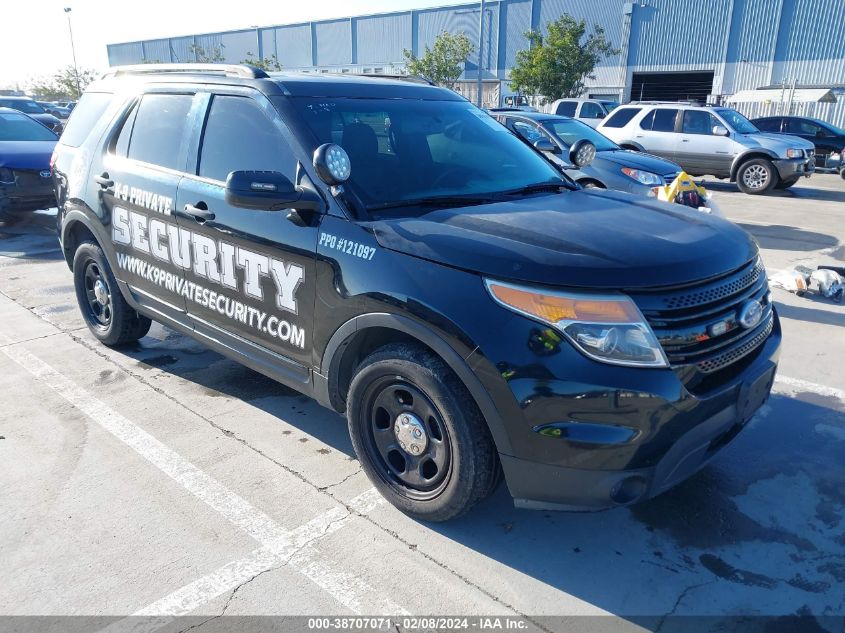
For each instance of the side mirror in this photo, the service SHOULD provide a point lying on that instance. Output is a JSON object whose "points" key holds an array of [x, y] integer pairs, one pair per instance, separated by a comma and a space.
{"points": [[720, 130], [582, 153], [545, 145], [601, 115], [268, 191]]}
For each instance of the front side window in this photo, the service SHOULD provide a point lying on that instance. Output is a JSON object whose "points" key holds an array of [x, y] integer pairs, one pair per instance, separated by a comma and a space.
{"points": [[736, 121], [239, 136], [19, 127], [698, 122], [664, 120], [528, 131], [408, 149], [590, 110], [768, 125], [160, 125], [803, 127]]}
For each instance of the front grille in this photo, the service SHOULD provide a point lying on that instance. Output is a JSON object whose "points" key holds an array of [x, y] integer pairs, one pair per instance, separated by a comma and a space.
{"points": [[698, 325]]}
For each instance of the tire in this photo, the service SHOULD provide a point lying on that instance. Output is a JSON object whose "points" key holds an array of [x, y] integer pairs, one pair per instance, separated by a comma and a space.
{"points": [[842, 174], [111, 320], [757, 176], [786, 184], [451, 464]]}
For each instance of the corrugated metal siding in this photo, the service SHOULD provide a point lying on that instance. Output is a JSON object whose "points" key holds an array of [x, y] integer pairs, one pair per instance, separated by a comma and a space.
{"points": [[293, 45], [462, 20], [123, 54], [811, 33], [517, 22], [679, 33], [750, 48], [180, 49], [334, 42], [237, 45], [383, 38], [157, 51]]}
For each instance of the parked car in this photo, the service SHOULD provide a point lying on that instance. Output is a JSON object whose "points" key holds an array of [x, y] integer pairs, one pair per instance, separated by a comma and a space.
{"points": [[63, 112], [612, 167], [50, 108], [828, 139], [30, 107], [712, 141], [471, 311], [25, 150], [590, 111]]}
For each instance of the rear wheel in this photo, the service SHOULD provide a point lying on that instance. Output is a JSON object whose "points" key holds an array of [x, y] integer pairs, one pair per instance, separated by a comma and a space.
{"points": [[419, 435], [756, 176], [111, 320]]}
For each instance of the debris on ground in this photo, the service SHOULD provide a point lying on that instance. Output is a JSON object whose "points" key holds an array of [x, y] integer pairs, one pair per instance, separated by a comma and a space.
{"points": [[829, 281]]}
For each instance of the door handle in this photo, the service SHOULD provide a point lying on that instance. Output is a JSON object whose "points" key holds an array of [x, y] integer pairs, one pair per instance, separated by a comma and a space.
{"points": [[199, 212], [103, 180], [684, 140]]}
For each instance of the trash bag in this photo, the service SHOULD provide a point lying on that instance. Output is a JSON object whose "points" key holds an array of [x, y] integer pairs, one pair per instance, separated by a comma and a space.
{"points": [[830, 283], [791, 280], [684, 191]]}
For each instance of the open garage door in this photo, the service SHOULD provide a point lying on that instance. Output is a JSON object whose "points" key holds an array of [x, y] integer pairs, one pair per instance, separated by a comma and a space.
{"points": [[681, 86]]}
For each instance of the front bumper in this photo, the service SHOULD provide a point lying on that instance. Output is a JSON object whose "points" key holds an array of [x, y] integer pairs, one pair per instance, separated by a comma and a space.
{"points": [[789, 168], [29, 192], [637, 436]]}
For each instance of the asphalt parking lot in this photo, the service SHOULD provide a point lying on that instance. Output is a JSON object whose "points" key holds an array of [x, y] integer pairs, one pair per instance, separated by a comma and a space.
{"points": [[164, 480]]}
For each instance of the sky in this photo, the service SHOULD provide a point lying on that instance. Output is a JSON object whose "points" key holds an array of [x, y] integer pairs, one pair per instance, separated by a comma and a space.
{"points": [[34, 39]]}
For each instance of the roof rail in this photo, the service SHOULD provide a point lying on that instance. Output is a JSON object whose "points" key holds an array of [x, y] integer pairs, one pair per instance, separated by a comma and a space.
{"points": [[417, 79], [230, 70], [663, 103]]}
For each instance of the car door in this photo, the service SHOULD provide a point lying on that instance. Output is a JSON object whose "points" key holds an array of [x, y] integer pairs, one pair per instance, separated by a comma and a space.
{"points": [[138, 175], [252, 278], [656, 132], [591, 113], [698, 149]]}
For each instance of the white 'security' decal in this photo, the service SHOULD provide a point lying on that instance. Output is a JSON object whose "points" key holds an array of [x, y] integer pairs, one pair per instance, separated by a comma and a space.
{"points": [[347, 247]]}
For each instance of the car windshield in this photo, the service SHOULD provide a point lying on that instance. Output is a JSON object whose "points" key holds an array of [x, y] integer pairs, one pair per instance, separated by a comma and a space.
{"points": [[18, 127], [830, 127], [407, 150], [738, 122], [30, 107], [568, 131]]}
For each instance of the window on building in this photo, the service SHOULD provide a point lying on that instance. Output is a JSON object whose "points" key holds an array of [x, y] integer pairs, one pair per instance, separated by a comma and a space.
{"points": [[238, 136], [621, 117], [159, 128]]}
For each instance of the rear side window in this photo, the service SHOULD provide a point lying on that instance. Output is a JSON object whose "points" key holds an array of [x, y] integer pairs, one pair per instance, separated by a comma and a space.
{"points": [[238, 135], [159, 127], [567, 108], [621, 117], [664, 120], [768, 125], [83, 118], [591, 110]]}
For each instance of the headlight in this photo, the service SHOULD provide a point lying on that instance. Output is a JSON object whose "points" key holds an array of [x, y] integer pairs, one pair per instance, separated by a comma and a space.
{"points": [[7, 176], [643, 177], [795, 153], [608, 328]]}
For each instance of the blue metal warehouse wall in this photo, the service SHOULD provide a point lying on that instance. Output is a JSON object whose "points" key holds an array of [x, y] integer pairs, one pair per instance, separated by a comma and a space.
{"points": [[746, 43]]}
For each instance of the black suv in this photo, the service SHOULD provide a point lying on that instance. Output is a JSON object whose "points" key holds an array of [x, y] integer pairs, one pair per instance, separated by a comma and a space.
{"points": [[391, 250], [827, 138]]}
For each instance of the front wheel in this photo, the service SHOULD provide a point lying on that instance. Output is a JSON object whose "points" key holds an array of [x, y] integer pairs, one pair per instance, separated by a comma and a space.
{"points": [[111, 320], [756, 176], [419, 435]]}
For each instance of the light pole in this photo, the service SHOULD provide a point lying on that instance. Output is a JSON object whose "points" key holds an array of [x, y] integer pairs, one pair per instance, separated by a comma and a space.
{"points": [[480, 85], [73, 51]]}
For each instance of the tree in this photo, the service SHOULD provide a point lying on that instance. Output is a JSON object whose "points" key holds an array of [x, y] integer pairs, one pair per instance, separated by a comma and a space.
{"points": [[66, 83], [214, 55], [271, 63], [443, 63], [557, 65]]}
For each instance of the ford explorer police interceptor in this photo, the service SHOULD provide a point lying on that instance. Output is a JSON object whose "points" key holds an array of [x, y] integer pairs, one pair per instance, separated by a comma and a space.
{"points": [[387, 248]]}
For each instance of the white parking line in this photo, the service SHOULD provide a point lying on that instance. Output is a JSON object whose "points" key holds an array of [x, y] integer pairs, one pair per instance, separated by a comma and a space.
{"points": [[812, 387], [278, 545]]}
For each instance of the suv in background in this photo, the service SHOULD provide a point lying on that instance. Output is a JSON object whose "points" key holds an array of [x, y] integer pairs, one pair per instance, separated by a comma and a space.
{"points": [[30, 107], [828, 139], [590, 111], [712, 141], [471, 310]]}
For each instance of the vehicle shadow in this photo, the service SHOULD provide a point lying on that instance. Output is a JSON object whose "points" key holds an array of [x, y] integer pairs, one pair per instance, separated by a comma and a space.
{"points": [[801, 192], [789, 238], [814, 315], [760, 530], [29, 236]]}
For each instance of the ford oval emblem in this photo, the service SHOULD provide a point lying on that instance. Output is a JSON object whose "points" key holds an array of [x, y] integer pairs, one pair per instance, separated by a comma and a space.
{"points": [[750, 314], [45, 173]]}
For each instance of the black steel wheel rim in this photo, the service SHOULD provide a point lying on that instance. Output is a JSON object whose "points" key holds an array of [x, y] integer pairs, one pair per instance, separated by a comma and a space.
{"points": [[97, 295], [420, 476]]}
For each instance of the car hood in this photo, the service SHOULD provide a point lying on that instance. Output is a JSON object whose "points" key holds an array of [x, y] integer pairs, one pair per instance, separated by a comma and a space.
{"points": [[776, 142], [26, 154], [639, 160], [593, 239]]}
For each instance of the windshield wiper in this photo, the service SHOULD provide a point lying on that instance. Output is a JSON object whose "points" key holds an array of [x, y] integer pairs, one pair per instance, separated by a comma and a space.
{"points": [[432, 201], [538, 187]]}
